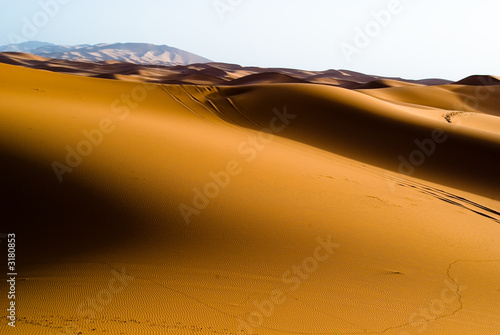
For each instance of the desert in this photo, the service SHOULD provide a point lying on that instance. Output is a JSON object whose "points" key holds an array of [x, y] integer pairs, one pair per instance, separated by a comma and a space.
{"points": [[213, 198]]}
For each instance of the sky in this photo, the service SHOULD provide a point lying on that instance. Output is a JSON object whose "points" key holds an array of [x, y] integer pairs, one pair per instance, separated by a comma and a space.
{"points": [[412, 39]]}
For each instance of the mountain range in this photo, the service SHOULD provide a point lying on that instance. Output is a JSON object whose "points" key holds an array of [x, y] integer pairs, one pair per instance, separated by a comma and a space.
{"points": [[138, 53]]}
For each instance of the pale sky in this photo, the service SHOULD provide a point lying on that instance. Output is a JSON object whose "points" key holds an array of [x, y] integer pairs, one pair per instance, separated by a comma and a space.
{"points": [[448, 39]]}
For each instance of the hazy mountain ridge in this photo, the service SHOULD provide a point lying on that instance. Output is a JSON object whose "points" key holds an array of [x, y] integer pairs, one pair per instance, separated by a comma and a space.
{"points": [[138, 53]]}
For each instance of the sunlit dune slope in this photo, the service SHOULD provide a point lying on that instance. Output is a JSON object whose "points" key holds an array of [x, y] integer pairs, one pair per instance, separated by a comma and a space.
{"points": [[261, 209]]}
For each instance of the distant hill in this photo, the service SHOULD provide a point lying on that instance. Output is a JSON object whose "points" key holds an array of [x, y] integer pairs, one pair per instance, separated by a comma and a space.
{"points": [[138, 53]]}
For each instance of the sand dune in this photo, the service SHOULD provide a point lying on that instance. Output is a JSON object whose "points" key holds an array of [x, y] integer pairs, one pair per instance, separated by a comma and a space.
{"points": [[207, 73], [265, 78], [479, 81], [270, 208], [384, 83]]}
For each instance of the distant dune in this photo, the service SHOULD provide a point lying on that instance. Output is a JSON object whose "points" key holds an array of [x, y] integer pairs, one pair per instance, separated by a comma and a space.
{"points": [[209, 73], [219, 199], [479, 81]]}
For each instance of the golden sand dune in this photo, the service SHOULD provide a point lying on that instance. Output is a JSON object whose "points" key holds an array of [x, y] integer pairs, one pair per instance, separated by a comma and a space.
{"points": [[289, 208]]}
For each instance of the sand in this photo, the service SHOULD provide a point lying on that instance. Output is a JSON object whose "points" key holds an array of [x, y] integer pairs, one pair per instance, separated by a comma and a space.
{"points": [[272, 206]]}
